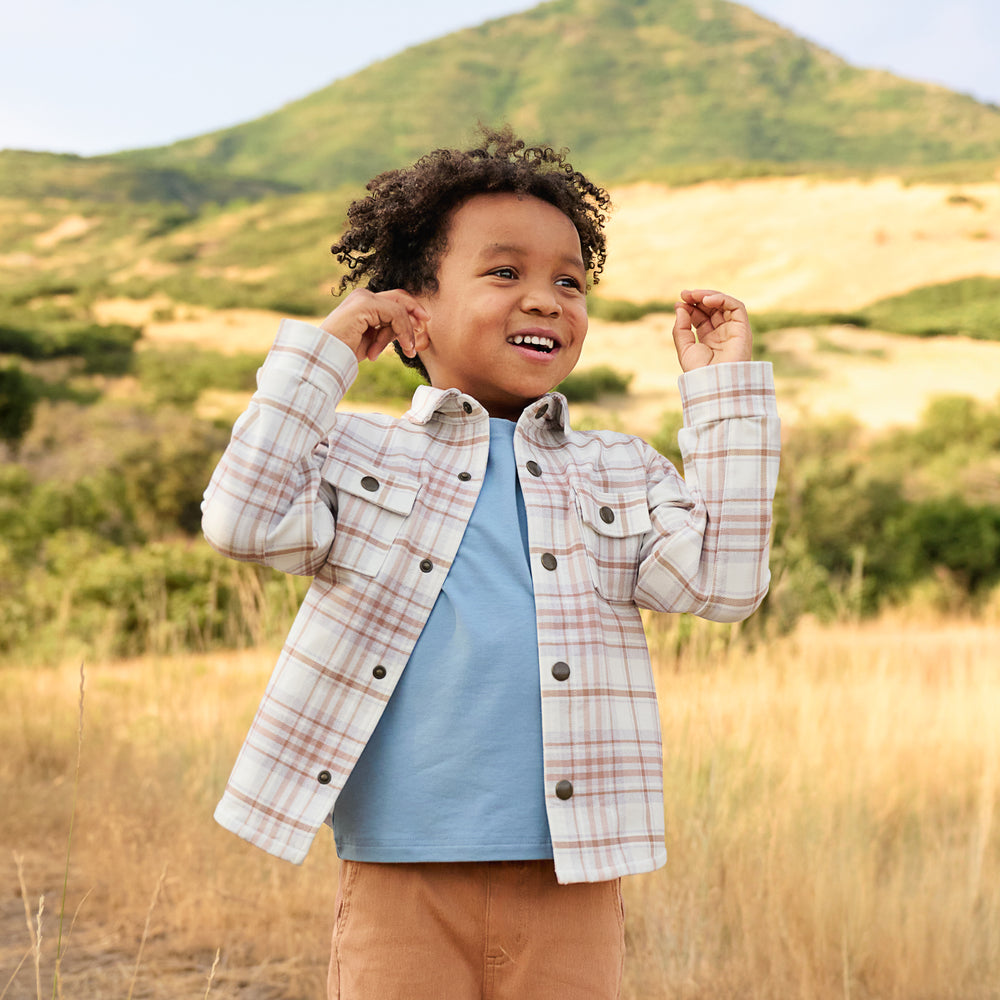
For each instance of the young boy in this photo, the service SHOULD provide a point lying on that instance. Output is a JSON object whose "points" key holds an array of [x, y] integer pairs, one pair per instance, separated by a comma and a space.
{"points": [[466, 689]]}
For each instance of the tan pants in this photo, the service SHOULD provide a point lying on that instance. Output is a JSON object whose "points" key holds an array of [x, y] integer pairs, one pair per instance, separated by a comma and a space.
{"points": [[493, 930]]}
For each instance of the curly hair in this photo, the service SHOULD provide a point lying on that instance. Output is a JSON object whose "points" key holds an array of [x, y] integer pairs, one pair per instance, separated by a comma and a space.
{"points": [[397, 234]]}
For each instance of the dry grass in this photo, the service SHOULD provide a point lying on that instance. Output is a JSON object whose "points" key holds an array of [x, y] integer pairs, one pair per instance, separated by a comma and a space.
{"points": [[799, 242], [831, 806]]}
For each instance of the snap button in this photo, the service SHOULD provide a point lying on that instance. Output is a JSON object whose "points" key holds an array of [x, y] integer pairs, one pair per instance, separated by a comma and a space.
{"points": [[560, 671], [549, 560], [607, 515], [467, 406], [379, 672], [426, 565], [534, 468], [370, 483], [465, 476], [564, 790], [324, 777]]}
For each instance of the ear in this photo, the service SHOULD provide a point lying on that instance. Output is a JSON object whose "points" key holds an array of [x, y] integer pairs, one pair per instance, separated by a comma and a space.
{"points": [[421, 336], [421, 327]]}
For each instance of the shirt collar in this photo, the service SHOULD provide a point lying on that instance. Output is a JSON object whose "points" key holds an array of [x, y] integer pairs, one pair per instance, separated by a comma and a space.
{"points": [[550, 410]]}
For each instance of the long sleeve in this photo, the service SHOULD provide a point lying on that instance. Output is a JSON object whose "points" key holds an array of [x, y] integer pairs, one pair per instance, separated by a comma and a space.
{"points": [[707, 550], [266, 501]]}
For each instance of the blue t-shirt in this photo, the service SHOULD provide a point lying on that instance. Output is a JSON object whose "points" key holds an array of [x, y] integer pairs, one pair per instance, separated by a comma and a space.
{"points": [[453, 771]]}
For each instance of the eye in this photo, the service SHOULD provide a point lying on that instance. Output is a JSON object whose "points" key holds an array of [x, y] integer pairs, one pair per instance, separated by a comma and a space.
{"points": [[504, 272], [569, 282]]}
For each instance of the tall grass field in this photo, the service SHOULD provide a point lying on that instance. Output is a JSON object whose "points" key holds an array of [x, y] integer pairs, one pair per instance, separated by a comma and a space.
{"points": [[831, 801]]}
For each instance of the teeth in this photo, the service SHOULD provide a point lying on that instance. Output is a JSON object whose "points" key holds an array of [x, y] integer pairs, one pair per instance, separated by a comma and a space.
{"points": [[546, 342]]}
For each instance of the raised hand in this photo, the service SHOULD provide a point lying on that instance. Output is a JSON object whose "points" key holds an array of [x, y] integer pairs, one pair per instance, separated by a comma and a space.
{"points": [[711, 328], [367, 322]]}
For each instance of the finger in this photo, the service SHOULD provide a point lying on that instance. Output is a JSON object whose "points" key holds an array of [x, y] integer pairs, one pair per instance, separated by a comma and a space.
{"points": [[683, 332], [400, 318], [713, 300]]}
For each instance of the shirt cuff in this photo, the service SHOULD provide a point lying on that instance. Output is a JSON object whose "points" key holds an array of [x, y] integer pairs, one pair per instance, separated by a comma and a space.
{"points": [[724, 391], [305, 353]]}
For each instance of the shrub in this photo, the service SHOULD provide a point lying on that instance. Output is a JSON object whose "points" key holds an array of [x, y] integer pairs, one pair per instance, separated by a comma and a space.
{"points": [[178, 376], [163, 598], [18, 397], [385, 379], [589, 384], [623, 311]]}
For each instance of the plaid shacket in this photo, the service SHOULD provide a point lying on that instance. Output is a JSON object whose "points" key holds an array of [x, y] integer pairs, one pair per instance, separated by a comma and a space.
{"points": [[374, 508]]}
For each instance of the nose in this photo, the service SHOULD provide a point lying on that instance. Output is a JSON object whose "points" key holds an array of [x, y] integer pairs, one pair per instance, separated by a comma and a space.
{"points": [[541, 299]]}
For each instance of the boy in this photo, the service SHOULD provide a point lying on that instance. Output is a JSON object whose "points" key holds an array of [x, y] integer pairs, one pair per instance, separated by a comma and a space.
{"points": [[466, 688]]}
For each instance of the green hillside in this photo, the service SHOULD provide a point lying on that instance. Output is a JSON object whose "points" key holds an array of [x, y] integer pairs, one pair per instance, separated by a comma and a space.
{"points": [[107, 180], [630, 87]]}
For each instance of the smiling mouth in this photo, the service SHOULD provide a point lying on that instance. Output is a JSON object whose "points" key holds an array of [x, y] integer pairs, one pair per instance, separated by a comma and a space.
{"points": [[544, 345]]}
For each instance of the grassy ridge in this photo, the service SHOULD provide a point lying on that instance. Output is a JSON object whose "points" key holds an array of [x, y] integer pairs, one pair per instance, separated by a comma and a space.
{"points": [[107, 180], [663, 82]]}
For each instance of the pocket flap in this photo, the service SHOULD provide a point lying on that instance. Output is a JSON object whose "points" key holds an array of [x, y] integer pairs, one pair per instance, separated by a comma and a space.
{"points": [[384, 489], [614, 515]]}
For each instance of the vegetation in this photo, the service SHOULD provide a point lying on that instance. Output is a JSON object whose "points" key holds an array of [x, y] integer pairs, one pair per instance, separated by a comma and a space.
{"points": [[100, 506], [969, 307], [830, 815], [63, 257], [107, 180], [587, 385], [639, 102]]}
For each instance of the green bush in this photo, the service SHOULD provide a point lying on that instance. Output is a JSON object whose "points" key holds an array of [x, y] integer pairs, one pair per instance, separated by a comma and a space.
{"points": [[590, 384], [104, 600], [387, 378], [970, 307], [19, 394], [179, 375], [765, 322], [862, 520], [665, 439], [623, 311], [105, 349]]}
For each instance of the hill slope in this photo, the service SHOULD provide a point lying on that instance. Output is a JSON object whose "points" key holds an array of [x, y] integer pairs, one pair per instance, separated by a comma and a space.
{"points": [[630, 87]]}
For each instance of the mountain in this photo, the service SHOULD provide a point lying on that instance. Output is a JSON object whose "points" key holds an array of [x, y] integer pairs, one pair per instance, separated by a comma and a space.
{"points": [[114, 180], [630, 86]]}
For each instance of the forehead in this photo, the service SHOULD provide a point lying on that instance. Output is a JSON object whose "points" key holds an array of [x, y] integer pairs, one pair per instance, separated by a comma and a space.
{"points": [[508, 220]]}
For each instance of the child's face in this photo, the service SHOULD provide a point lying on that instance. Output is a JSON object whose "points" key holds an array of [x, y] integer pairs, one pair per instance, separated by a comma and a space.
{"points": [[512, 270]]}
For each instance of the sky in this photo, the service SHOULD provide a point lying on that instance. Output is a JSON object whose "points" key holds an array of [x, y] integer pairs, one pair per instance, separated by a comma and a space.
{"points": [[97, 76]]}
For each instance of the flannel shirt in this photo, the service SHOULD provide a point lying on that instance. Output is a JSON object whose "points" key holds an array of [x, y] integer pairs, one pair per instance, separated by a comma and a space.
{"points": [[374, 508]]}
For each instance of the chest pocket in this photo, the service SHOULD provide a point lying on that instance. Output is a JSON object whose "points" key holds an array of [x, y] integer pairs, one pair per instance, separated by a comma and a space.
{"points": [[371, 508], [612, 525]]}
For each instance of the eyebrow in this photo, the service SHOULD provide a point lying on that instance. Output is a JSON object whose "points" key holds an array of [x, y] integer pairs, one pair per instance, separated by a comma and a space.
{"points": [[499, 249]]}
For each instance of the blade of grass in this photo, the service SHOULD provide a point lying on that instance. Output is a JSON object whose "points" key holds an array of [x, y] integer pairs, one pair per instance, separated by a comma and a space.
{"points": [[56, 990], [145, 930]]}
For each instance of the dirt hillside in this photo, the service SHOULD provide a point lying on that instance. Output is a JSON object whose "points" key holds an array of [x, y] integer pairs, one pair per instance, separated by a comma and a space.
{"points": [[798, 243], [790, 243]]}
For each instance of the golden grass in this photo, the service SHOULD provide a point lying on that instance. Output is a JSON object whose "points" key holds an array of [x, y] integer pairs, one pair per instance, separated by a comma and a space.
{"points": [[831, 801]]}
